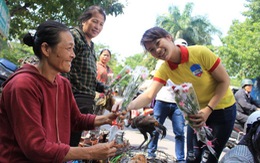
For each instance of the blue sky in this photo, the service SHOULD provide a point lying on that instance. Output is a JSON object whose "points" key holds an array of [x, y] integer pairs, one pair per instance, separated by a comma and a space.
{"points": [[123, 33]]}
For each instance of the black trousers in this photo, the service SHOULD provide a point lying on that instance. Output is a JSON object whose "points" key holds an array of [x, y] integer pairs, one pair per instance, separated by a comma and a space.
{"points": [[86, 105]]}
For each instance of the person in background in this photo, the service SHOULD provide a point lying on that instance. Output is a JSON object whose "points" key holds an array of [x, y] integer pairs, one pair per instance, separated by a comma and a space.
{"points": [[37, 107], [244, 102], [104, 75], [165, 106], [203, 69], [248, 149], [103, 70], [83, 72]]}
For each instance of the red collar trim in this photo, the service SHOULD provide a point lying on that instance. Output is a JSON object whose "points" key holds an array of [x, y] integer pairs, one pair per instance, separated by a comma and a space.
{"points": [[184, 57]]}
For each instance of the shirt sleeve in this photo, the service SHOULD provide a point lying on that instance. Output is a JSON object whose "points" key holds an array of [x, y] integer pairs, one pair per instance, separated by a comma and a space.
{"points": [[161, 74], [208, 58]]}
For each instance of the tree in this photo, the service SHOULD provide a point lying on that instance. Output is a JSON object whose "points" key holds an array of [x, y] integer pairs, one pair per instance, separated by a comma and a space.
{"points": [[253, 11], [195, 30], [15, 52], [27, 14], [141, 60], [240, 51]]}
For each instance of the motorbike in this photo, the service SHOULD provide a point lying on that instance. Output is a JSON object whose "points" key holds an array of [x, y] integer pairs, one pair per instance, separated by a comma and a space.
{"points": [[238, 130], [6, 69], [236, 135]]}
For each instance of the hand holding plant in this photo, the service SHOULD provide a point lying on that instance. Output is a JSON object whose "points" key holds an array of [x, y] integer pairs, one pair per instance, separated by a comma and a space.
{"points": [[186, 99]]}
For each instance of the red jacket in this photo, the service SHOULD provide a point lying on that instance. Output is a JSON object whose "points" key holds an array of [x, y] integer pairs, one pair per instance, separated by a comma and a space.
{"points": [[36, 118]]}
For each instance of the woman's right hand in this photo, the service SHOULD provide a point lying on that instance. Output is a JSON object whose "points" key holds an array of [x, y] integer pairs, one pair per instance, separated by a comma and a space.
{"points": [[102, 151]]}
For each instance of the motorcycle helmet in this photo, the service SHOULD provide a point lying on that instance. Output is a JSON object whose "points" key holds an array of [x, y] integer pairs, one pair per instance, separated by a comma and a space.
{"points": [[181, 41], [246, 82], [254, 135], [255, 116]]}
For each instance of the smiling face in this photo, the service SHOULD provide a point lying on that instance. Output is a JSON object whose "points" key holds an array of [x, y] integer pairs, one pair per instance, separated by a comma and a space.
{"points": [[93, 26], [61, 56], [160, 48]]}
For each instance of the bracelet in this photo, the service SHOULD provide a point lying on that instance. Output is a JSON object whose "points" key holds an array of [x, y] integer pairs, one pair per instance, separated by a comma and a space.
{"points": [[210, 108]]}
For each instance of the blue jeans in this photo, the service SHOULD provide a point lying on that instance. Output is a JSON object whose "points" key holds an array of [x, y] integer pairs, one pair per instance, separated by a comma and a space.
{"points": [[221, 122], [161, 111]]}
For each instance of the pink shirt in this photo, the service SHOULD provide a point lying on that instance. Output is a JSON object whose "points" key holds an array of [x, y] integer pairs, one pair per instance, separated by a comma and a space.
{"points": [[102, 72]]}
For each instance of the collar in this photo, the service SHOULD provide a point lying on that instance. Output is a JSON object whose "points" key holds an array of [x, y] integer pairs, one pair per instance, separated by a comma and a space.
{"points": [[83, 37], [184, 57]]}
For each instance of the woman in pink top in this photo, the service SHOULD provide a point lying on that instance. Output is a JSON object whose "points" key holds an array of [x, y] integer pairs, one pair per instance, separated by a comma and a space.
{"points": [[103, 70]]}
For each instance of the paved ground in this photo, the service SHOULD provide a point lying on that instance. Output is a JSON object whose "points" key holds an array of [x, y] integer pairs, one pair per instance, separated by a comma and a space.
{"points": [[167, 144]]}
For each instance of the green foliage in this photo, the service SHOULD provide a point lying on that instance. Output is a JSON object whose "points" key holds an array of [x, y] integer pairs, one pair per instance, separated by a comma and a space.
{"points": [[254, 11], [141, 59], [3, 43], [195, 30], [136, 60], [235, 82], [149, 61], [27, 14], [16, 51], [240, 51]]}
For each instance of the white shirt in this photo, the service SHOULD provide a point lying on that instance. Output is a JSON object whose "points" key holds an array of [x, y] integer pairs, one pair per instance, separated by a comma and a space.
{"points": [[166, 93]]}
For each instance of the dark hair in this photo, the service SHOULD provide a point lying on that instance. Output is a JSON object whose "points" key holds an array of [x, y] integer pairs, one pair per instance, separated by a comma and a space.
{"points": [[153, 34], [105, 50], [89, 12], [48, 32]]}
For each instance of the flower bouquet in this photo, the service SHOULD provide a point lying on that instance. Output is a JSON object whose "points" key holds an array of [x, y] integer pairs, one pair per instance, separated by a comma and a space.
{"points": [[120, 76], [186, 99], [105, 100], [139, 74]]}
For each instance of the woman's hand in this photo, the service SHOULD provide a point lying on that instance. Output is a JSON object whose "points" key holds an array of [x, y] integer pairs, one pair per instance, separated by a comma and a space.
{"points": [[199, 120], [102, 151], [111, 117]]}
